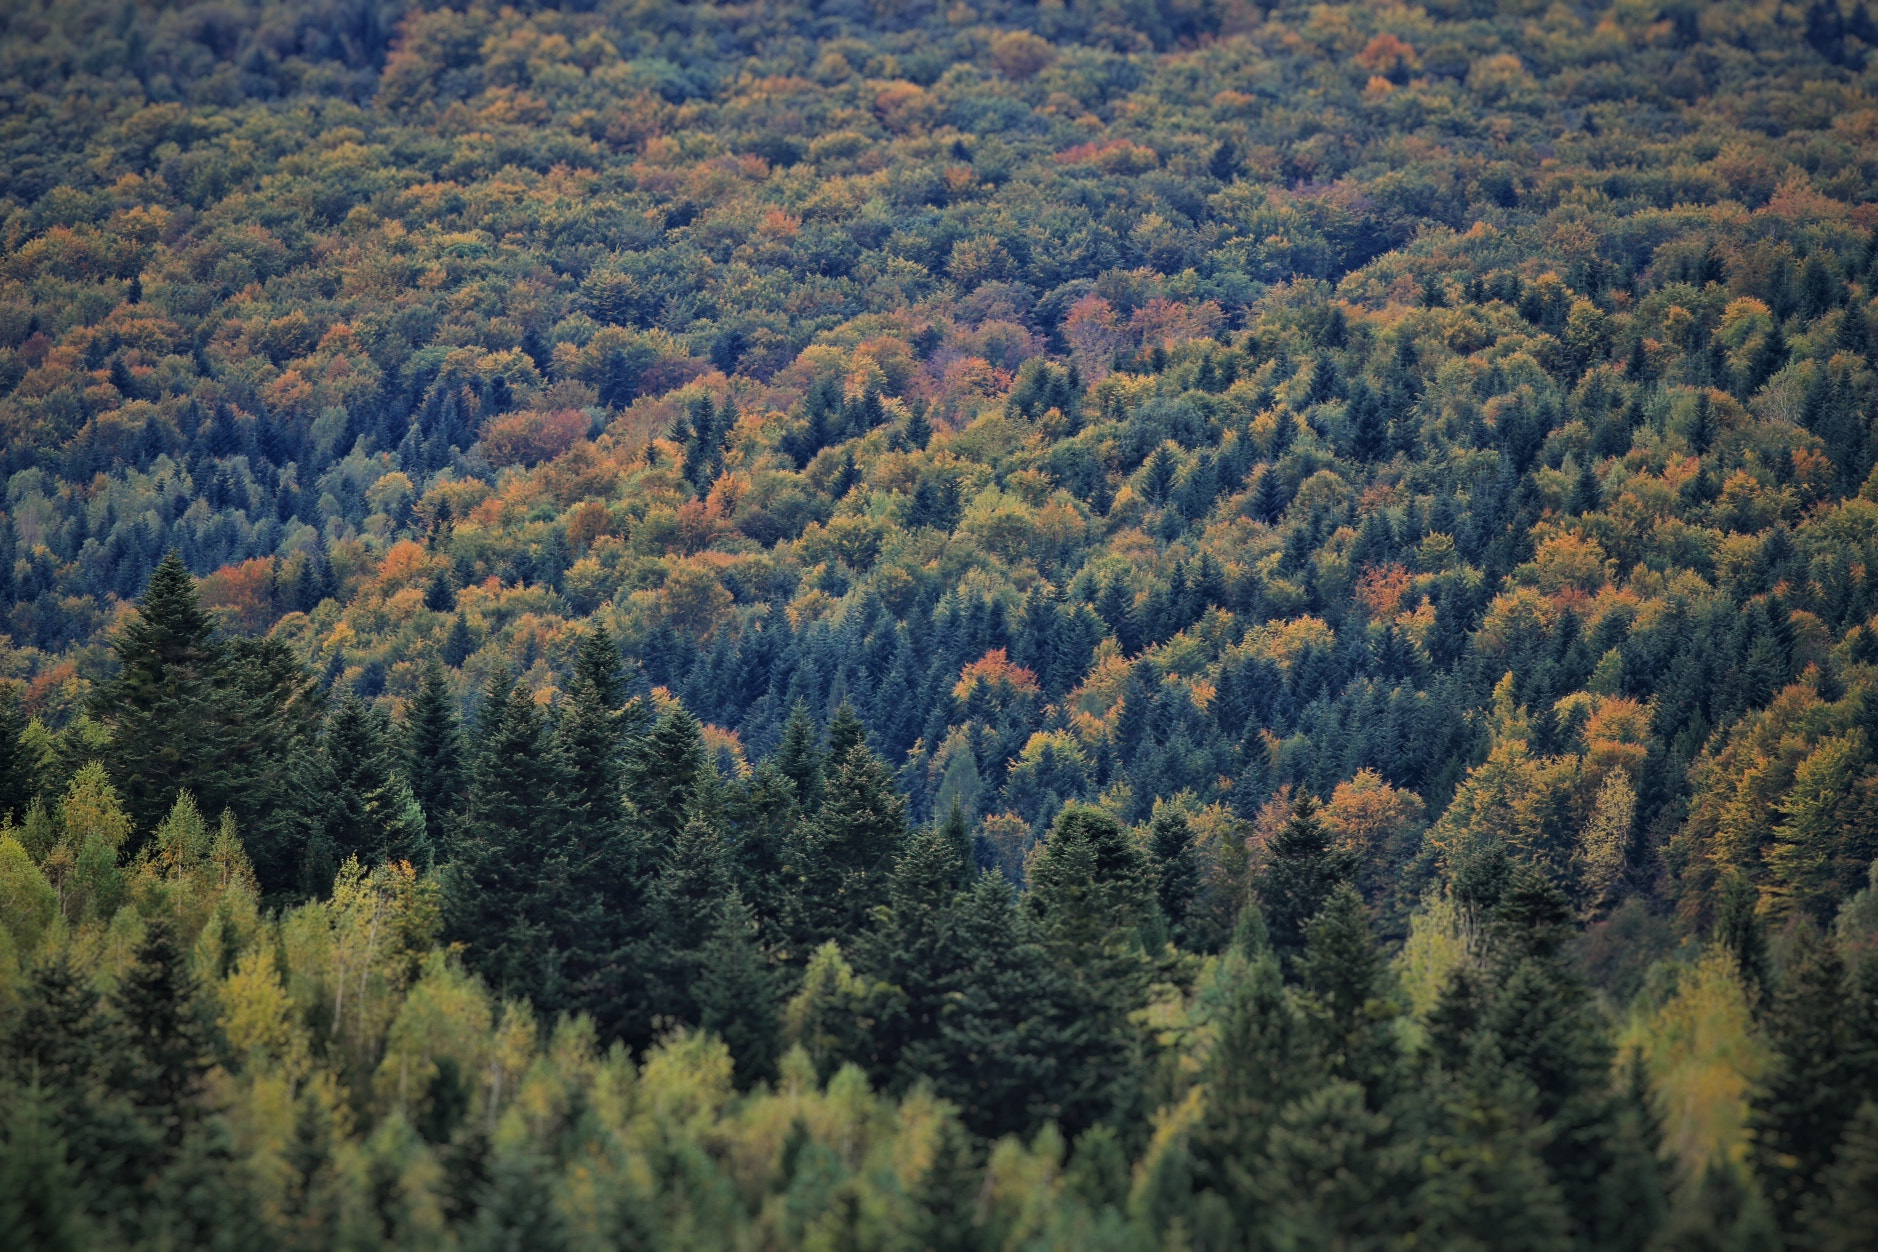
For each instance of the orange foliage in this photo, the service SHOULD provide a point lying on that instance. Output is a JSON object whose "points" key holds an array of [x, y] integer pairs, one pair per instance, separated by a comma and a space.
{"points": [[994, 670], [244, 592], [531, 437], [1381, 588]]}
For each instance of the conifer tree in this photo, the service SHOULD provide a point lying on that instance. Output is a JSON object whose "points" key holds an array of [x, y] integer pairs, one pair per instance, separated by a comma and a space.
{"points": [[508, 870], [837, 867], [1343, 972], [800, 758], [1810, 1092], [694, 886], [662, 771], [1301, 871], [1175, 867], [18, 779], [166, 725], [162, 1056], [433, 753], [736, 994], [1843, 1214]]}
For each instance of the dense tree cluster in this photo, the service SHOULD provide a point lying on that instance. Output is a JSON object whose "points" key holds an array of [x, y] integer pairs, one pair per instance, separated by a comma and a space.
{"points": [[1105, 624]]}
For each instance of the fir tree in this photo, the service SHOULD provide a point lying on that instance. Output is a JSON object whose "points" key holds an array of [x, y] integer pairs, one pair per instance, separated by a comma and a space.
{"points": [[1343, 972], [433, 752], [1843, 1214], [800, 758], [166, 724], [1810, 1092], [1301, 871], [162, 1056], [1175, 867], [509, 872], [18, 779], [662, 771], [736, 997]]}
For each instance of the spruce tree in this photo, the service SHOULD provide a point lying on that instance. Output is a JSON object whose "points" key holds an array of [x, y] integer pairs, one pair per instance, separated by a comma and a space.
{"points": [[736, 993], [662, 771], [1810, 1091], [167, 730], [1301, 871], [800, 758], [508, 873], [433, 753], [18, 777]]}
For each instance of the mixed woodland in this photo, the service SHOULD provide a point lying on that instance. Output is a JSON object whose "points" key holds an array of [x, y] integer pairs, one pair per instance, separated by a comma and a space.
{"points": [[837, 624]]}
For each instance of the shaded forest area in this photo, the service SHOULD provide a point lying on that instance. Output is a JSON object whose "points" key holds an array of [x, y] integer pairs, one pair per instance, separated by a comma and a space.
{"points": [[1093, 625]]}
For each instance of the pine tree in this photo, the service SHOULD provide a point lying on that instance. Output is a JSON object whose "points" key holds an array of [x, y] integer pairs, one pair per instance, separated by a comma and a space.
{"points": [[18, 776], [1810, 1092], [736, 994], [1175, 867], [433, 753], [663, 770], [1301, 871], [508, 873], [166, 725], [1344, 975]]}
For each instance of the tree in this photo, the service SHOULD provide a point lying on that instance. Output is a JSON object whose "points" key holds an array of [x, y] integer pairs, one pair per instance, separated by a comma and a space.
{"points": [[433, 752], [799, 757], [693, 890], [166, 725], [162, 1056], [1343, 974], [736, 994], [662, 772], [1301, 871], [508, 869], [837, 867], [1810, 1092], [18, 780], [1175, 867], [1844, 1210]]}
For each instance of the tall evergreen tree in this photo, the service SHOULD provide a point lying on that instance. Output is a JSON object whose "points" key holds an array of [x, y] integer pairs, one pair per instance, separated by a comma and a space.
{"points": [[1301, 871], [1811, 1090], [508, 873], [799, 757], [433, 753], [736, 992], [18, 777], [662, 772], [167, 728]]}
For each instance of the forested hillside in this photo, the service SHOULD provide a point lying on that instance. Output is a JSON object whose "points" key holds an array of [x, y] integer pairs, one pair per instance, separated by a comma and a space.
{"points": [[1100, 624]]}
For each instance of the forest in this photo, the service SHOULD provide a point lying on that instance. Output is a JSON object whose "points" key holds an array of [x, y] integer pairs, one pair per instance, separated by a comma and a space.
{"points": [[873, 624]]}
